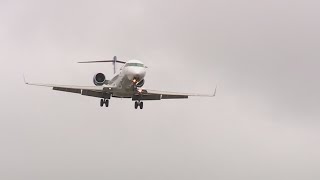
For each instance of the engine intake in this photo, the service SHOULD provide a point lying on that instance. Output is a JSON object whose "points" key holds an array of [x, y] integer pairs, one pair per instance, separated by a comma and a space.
{"points": [[141, 83], [99, 79]]}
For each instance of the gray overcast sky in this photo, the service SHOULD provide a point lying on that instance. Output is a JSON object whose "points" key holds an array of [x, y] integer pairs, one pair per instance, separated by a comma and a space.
{"points": [[264, 123]]}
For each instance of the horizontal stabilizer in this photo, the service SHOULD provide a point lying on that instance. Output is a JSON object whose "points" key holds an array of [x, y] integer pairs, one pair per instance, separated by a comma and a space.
{"points": [[103, 61]]}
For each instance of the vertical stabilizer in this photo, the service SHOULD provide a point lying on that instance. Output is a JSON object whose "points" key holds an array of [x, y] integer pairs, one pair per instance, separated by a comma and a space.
{"points": [[114, 64]]}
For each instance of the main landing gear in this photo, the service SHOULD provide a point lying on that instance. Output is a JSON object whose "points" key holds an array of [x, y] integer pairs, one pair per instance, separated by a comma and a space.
{"points": [[138, 104], [104, 102]]}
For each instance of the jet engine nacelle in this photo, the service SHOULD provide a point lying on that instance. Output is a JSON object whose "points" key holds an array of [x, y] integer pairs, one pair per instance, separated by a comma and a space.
{"points": [[99, 79], [141, 83]]}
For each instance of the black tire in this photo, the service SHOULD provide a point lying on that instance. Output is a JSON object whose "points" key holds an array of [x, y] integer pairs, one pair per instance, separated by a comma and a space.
{"points": [[106, 103], [136, 104], [101, 102], [141, 105]]}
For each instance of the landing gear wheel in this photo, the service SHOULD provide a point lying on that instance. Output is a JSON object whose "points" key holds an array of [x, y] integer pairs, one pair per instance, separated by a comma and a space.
{"points": [[101, 102], [106, 103], [141, 105], [136, 104]]}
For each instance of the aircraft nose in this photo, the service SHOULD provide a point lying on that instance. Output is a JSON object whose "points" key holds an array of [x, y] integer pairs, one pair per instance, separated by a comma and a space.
{"points": [[136, 73]]}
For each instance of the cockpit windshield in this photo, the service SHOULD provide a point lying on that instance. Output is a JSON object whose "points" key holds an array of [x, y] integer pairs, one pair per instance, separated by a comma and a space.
{"points": [[134, 64]]}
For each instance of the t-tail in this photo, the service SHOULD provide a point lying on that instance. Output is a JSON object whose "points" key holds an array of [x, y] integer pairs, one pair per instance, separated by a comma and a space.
{"points": [[114, 62]]}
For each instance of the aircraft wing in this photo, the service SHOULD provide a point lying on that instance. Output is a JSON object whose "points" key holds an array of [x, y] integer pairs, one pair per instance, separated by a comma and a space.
{"points": [[147, 94], [93, 91], [105, 91]]}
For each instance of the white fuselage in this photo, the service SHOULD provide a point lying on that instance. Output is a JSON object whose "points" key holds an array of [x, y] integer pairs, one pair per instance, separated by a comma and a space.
{"points": [[130, 75]]}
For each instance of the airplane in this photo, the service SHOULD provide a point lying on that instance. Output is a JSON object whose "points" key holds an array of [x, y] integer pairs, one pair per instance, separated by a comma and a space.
{"points": [[128, 83]]}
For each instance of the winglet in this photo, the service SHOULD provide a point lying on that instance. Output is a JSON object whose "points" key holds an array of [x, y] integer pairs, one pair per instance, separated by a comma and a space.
{"points": [[24, 79], [215, 91]]}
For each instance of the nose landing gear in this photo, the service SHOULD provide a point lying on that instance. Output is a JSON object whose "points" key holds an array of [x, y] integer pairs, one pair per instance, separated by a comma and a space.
{"points": [[104, 102], [138, 104]]}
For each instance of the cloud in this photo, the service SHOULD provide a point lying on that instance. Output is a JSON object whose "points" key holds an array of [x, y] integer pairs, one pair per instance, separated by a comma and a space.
{"points": [[263, 123]]}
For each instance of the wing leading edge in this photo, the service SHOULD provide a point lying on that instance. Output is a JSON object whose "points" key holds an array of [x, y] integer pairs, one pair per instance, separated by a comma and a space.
{"points": [[93, 91], [147, 94]]}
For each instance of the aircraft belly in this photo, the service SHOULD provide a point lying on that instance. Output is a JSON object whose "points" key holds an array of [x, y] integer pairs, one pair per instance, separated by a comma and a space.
{"points": [[124, 88]]}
